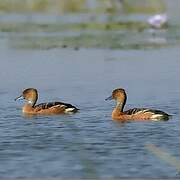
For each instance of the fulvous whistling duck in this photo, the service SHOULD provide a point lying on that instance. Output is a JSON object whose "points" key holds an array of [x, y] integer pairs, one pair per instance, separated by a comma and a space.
{"points": [[133, 114], [30, 107]]}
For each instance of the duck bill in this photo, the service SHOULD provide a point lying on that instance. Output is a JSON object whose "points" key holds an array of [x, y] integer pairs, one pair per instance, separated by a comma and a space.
{"points": [[19, 98], [109, 98]]}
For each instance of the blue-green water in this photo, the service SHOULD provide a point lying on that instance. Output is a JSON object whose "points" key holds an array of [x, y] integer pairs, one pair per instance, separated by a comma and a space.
{"points": [[89, 144]]}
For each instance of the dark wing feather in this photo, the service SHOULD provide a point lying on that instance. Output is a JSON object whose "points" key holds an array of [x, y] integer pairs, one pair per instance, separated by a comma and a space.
{"points": [[51, 104], [135, 110], [144, 110]]}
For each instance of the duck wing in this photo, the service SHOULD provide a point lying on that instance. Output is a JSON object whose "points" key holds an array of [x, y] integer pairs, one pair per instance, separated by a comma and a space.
{"points": [[136, 110], [156, 114], [66, 106]]}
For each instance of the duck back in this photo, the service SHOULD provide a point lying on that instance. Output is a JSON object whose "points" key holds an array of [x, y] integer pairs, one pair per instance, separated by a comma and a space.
{"points": [[155, 114]]}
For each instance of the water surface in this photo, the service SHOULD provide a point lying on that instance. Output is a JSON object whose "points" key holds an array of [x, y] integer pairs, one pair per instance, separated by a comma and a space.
{"points": [[89, 143], [80, 59]]}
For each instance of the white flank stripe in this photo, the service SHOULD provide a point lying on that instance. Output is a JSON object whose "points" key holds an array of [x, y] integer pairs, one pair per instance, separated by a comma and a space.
{"points": [[69, 110], [155, 116]]}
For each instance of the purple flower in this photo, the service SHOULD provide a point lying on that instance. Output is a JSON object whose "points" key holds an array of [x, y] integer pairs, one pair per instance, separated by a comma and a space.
{"points": [[158, 20]]}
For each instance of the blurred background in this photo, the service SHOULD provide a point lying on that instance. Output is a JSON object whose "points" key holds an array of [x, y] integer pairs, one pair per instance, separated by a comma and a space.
{"points": [[78, 51], [48, 24]]}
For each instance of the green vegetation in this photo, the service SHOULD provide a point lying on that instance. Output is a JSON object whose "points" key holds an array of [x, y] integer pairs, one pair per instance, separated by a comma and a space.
{"points": [[104, 39], [31, 27], [41, 5], [64, 6], [85, 35], [145, 6], [91, 33]]}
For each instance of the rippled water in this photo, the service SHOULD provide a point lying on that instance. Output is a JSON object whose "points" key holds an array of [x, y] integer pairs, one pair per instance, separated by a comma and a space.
{"points": [[88, 144]]}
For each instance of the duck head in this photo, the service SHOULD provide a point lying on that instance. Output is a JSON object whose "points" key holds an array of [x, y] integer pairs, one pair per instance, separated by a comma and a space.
{"points": [[30, 94], [120, 96]]}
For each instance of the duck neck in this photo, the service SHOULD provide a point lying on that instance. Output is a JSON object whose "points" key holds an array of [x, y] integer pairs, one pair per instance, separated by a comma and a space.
{"points": [[28, 109], [120, 106], [31, 102]]}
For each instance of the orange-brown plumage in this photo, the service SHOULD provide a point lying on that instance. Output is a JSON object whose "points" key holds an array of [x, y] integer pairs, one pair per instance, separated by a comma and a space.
{"points": [[30, 107], [133, 114]]}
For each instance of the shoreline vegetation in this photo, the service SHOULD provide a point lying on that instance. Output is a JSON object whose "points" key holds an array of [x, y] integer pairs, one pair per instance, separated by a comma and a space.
{"points": [[46, 24], [86, 6]]}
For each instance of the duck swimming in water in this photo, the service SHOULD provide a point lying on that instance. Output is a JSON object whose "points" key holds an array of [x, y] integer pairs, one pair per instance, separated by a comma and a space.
{"points": [[133, 114], [50, 108]]}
